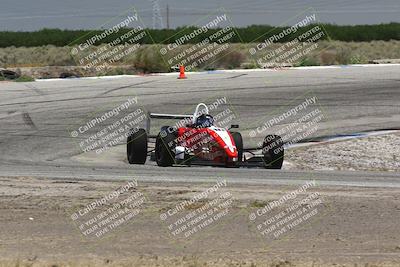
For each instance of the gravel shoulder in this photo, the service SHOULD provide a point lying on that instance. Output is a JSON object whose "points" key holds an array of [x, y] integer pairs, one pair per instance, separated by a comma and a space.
{"points": [[354, 226], [374, 153]]}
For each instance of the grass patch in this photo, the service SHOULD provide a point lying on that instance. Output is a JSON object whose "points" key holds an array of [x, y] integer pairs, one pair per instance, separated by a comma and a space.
{"points": [[307, 62], [25, 79], [259, 204]]}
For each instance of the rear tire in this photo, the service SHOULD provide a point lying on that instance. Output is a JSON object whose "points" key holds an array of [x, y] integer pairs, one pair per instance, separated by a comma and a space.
{"points": [[165, 148], [273, 152], [136, 147]]}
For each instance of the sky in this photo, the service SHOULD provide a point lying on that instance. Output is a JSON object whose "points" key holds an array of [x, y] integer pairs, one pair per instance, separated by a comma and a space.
{"points": [[30, 15]]}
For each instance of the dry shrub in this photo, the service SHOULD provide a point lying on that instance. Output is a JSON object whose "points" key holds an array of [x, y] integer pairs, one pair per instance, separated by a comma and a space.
{"points": [[233, 59], [148, 59], [328, 57], [343, 55]]}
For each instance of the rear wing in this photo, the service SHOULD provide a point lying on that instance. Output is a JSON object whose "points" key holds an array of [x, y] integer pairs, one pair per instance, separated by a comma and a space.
{"points": [[163, 116], [201, 108], [168, 116]]}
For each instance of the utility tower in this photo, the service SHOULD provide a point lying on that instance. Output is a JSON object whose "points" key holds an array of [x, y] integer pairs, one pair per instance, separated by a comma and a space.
{"points": [[157, 18], [167, 16]]}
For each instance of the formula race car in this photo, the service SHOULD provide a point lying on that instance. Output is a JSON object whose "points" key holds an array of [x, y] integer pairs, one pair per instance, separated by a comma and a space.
{"points": [[194, 140]]}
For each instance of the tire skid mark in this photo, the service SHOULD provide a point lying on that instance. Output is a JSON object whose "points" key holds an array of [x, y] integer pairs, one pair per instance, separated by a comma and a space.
{"points": [[183, 92], [35, 89], [124, 87], [237, 76], [28, 120], [10, 113]]}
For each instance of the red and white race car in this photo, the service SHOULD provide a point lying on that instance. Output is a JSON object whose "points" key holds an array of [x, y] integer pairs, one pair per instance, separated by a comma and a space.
{"points": [[195, 140]]}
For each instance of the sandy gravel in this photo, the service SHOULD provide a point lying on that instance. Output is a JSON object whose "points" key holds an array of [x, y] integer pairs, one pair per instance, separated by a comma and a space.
{"points": [[354, 226], [375, 153]]}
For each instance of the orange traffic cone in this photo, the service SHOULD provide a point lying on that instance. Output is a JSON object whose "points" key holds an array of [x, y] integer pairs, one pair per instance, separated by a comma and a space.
{"points": [[182, 72]]}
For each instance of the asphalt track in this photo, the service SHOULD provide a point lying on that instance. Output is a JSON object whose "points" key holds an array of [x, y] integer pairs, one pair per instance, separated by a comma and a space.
{"points": [[36, 119]]}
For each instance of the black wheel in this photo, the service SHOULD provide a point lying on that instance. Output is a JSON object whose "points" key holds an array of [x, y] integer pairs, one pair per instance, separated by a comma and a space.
{"points": [[136, 147], [273, 152], [165, 148], [237, 138]]}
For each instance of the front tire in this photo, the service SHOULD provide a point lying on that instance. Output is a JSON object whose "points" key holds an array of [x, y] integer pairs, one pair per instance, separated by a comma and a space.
{"points": [[165, 148], [273, 152], [136, 147]]}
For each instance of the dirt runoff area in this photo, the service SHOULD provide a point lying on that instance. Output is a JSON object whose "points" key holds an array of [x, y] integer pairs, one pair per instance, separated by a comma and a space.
{"points": [[374, 153], [46, 222]]}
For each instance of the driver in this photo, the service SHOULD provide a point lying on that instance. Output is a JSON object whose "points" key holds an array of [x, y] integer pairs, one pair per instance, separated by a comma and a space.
{"points": [[204, 121]]}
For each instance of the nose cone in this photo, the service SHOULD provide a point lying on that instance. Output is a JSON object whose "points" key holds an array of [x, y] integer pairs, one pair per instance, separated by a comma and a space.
{"points": [[224, 140]]}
